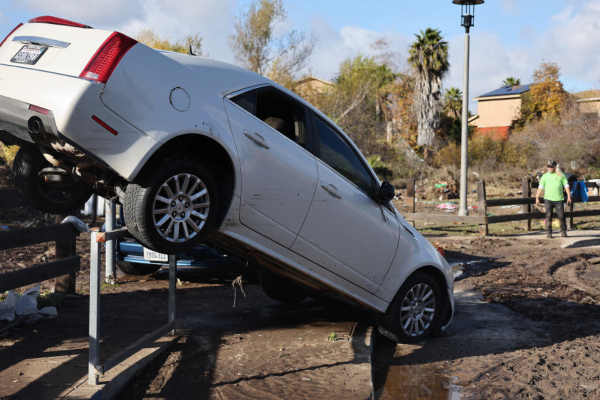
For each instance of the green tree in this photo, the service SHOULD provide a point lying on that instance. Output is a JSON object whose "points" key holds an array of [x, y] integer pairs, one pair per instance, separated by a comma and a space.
{"points": [[511, 81], [546, 96], [428, 56], [453, 102], [359, 100], [361, 83], [255, 48], [151, 39]]}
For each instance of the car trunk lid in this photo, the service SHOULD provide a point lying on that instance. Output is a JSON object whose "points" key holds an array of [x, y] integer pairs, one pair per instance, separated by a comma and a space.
{"points": [[52, 46]]}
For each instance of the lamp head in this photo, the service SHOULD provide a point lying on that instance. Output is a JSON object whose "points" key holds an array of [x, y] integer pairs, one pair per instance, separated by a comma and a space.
{"points": [[468, 12]]}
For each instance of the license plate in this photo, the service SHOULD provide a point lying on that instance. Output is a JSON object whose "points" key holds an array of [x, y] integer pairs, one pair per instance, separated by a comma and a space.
{"points": [[29, 54], [151, 255]]}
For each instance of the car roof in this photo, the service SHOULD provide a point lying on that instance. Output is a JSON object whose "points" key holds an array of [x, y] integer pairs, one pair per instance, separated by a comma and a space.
{"points": [[223, 77]]}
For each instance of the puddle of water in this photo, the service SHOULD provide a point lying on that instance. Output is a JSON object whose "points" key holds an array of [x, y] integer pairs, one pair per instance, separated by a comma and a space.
{"points": [[414, 382]]}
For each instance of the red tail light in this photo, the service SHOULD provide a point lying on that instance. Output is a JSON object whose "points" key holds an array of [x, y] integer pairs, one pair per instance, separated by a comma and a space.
{"points": [[106, 59], [57, 21], [11, 32]]}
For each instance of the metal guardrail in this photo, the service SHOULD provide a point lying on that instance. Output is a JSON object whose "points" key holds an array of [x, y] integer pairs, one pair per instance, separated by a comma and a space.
{"points": [[95, 368]]}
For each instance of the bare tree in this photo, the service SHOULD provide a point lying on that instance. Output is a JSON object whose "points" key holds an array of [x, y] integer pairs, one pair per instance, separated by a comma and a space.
{"points": [[255, 47]]}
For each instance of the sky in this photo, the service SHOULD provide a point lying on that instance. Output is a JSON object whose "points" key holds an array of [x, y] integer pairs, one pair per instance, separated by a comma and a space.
{"points": [[510, 37]]}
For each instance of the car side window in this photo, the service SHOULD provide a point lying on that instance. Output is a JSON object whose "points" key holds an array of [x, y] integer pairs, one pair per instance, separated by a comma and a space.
{"points": [[337, 153], [247, 101], [276, 110]]}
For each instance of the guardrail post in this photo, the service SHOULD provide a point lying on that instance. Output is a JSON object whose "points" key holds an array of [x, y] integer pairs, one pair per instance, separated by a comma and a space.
{"points": [[482, 207], [65, 248], [410, 197], [526, 207], [172, 289], [94, 328]]}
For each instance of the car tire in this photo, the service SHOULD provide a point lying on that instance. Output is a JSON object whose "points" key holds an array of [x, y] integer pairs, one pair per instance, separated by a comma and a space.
{"points": [[130, 268], [40, 194], [281, 289], [173, 208], [415, 312]]}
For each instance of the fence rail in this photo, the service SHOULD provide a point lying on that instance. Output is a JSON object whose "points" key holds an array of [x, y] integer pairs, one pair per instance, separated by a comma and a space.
{"points": [[483, 204], [63, 269]]}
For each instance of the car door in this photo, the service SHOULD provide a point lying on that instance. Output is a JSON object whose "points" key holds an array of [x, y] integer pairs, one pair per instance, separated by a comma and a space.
{"points": [[346, 231], [278, 174]]}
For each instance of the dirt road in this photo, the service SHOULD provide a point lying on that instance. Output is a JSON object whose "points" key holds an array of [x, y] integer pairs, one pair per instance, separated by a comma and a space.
{"points": [[527, 327]]}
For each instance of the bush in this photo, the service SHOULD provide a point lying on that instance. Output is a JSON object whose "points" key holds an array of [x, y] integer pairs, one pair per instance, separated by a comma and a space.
{"points": [[487, 154], [7, 154]]}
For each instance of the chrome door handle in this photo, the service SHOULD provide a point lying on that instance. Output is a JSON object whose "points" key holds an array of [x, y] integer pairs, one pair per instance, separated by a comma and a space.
{"points": [[332, 190], [256, 138]]}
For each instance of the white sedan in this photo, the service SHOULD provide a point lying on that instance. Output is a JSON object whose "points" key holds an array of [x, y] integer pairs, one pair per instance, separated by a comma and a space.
{"points": [[199, 150]]}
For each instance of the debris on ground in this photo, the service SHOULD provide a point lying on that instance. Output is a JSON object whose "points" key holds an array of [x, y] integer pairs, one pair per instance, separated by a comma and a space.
{"points": [[442, 189], [77, 223], [23, 309]]}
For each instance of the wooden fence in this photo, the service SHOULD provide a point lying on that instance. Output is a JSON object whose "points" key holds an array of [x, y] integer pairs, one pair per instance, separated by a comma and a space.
{"points": [[66, 264], [528, 213]]}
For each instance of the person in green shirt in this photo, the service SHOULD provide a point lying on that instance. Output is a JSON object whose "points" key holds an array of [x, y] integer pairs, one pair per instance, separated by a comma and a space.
{"points": [[552, 183]]}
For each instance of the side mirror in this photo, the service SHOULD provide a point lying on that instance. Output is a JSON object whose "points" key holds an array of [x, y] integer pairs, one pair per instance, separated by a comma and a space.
{"points": [[386, 193]]}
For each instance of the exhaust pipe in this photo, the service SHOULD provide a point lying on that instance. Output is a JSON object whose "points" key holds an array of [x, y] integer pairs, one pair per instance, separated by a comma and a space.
{"points": [[35, 125]]}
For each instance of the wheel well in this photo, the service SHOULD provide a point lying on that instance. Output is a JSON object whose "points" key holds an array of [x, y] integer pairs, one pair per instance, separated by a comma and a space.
{"points": [[211, 155]]}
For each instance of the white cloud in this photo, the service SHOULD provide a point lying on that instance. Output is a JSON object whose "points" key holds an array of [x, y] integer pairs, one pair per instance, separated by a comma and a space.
{"points": [[564, 15], [574, 42], [336, 46], [85, 11], [212, 19]]}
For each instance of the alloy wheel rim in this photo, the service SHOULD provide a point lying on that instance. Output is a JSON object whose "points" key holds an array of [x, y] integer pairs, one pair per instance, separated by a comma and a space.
{"points": [[417, 310], [180, 208]]}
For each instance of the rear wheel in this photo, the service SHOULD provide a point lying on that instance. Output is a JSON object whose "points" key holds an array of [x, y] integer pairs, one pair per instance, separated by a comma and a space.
{"points": [[173, 208], [137, 269], [51, 193], [415, 312], [281, 289]]}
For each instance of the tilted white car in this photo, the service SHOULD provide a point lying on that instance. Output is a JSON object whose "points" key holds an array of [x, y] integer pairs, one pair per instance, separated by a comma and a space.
{"points": [[199, 150]]}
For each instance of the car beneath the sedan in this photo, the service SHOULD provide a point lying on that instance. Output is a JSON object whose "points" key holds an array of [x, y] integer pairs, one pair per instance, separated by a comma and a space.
{"points": [[196, 151]]}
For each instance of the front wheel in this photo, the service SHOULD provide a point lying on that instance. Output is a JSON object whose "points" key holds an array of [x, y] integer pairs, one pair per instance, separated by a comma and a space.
{"points": [[172, 208], [415, 312]]}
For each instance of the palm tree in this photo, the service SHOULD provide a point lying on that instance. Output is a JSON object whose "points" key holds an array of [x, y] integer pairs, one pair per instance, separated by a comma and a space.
{"points": [[510, 81], [428, 56], [453, 102]]}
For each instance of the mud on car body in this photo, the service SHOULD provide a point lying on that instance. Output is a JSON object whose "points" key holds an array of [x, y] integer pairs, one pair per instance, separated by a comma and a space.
{"points": [[198, 150]]}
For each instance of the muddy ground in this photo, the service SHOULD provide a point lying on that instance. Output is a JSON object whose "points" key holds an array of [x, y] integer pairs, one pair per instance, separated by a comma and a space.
{"points": [[527, 326], [235, 342]]}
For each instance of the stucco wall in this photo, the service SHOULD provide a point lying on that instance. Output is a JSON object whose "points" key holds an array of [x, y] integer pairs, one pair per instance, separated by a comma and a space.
{"points": [[589, 106], [497, 112]]}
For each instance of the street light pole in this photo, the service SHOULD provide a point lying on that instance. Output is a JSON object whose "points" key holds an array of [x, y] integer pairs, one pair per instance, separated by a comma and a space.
{"points": [[468, 20]]}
